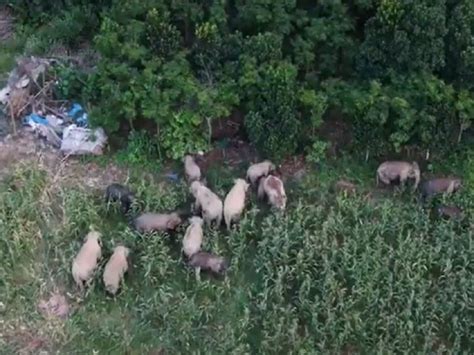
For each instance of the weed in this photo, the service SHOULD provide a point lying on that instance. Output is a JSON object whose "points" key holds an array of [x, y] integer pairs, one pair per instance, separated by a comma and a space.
{"points": [[141, 150]]}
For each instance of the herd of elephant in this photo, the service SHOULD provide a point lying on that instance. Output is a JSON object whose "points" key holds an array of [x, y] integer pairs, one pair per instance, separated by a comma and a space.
{"points": [[392, 171], [208, 208]]}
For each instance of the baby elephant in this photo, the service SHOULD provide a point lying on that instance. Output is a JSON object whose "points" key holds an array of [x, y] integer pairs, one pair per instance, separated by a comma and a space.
{"points": [[234, 202], [150, 222], [256, 171], [208, 202], [115, 268], [86, 260], [272, 187], [438, 186], [191, 169], [209, 262], [117, 192], [391, 171], [193, 238]]}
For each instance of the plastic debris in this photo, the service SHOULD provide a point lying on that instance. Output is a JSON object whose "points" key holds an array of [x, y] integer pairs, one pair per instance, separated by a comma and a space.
{"points": [[34, 119], [66, 124], [54, 121], [76, 109], [75, 140], [44, 129], [81, 141], [4, 95], [19, 85], [49, 134], [173, 177], [78, 115]]}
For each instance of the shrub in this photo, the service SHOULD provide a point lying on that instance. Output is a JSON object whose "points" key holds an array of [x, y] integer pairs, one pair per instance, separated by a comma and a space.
{"points": [[273, 122], [323, 42], [144, 79], [141, 150], [404, 36], [174, 66], [460, 44], [406, 110]]}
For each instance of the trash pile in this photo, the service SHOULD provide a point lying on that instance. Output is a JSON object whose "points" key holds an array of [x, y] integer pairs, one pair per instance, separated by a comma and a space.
{"points": [[29, 94]]}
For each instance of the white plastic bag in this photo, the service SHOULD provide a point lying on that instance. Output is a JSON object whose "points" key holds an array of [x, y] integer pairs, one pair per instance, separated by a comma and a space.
{"points": [[82, 141]]}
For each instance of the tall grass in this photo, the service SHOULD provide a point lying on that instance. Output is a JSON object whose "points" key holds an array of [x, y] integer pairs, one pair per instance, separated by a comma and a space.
{"points": [[331, 275]]}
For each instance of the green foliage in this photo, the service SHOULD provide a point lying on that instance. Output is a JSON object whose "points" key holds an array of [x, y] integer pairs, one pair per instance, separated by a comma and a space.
{"points": [[404, 36], [317, 151], [40, 11], [72, 26], [276, 107], [460, 44], [465, 110], [323, 42], [178, 137], [74, 84], [175, 66], [7, 57], [272, 122], [144, 74], [262, 15], [407, 110], [58, 23], [141, 150]]}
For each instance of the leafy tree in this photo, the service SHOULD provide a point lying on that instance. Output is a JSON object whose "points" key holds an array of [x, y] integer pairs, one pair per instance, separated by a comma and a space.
{"points": [[460, 44], [400, 70], [258, 16], [276, 106], [323, 41], [414, 109], [144, 74], [404, 35], [465, 111]]}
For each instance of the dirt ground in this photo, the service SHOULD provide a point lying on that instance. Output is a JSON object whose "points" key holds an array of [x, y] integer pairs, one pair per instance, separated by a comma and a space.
{"points": [[25, 148]]}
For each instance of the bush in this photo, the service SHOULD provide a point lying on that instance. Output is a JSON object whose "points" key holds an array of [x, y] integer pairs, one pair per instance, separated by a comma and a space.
{"points": [[404, 36], [460, 44], [141, 150], [65, 23], [324, 43], [145, 74], [272, 121], [419, 110], [279, 111], [176, 66]]}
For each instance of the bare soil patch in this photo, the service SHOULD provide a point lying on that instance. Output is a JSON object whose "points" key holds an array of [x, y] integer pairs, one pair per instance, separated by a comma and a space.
{"points": [[293, 168], [229, 127], [337, 132], [25, 148]]}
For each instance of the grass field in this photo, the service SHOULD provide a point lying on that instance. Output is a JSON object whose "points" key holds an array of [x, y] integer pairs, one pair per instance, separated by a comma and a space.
{"points": [[334, 274]]}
